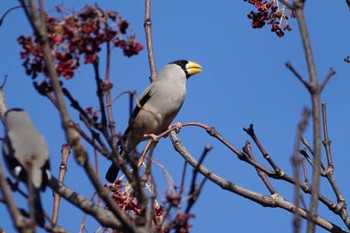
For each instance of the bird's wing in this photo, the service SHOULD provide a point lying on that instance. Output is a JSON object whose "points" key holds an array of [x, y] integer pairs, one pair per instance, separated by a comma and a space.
{"points": [[113, 170], [139, 105], [11, 161]]}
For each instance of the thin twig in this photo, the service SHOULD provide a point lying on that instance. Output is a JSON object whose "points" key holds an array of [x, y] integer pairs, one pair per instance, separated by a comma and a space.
{"points": [[107, 92], [326, 141], [304, 153], [250, 131], [148, 29], [183, 176], [301, 79], [296, 165], [15, 214], [329, 173], [248, 150], [65, 152], [195, 189], [331, 72], [149, 211], [306, 177]]}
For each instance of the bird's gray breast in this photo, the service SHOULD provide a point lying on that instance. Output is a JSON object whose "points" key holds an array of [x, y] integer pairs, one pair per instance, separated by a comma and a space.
{"points": [[168, 101]]}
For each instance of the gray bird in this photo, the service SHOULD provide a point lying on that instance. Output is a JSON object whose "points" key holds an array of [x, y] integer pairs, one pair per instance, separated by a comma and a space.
{"points": [[24, 147], [157, 107]]}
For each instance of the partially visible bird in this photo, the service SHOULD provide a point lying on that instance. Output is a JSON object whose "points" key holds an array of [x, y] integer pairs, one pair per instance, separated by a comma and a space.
{"points": [[157, 107], [25, 148]]}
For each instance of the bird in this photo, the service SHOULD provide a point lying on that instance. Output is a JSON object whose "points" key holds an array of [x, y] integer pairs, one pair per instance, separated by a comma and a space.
{"points": [[26, 154], [157, 107]]}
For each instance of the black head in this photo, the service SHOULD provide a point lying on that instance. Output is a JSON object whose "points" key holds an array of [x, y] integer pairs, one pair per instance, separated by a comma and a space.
{"points": [[189, 67]]}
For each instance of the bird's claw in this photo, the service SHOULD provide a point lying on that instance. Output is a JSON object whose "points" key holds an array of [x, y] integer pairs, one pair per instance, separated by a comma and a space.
{"points": [[177, 127], [152, 136]]}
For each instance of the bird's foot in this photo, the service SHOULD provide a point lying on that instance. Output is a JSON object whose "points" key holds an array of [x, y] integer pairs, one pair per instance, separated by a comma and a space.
{"points": [[152, 136], [177, 127]]}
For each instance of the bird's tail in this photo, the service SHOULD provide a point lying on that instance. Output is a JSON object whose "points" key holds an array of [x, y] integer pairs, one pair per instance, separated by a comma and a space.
{"points": [[112, 173], [113, 170], [38, 209]]}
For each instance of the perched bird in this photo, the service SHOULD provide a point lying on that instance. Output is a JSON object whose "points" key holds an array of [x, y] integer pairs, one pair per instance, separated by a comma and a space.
{"points": [[26, 153], [158, 106]]}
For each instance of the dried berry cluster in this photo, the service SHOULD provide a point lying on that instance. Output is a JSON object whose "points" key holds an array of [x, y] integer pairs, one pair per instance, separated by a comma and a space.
{"points": [[268, 12], [128, 203], [75, 35], [125, 200]]}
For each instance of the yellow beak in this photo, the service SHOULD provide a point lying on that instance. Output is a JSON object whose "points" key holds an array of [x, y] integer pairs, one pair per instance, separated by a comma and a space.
{"points": [[193, 68]]}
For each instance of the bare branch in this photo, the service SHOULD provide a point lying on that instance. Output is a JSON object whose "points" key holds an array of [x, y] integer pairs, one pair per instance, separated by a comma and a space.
{"points": [[102, 215], [267, 201], [148, 30], [11, 205], [248, 150], [296, 165], [251, 133], [301, 79], [341, 208], [331, 72], [65, 152], [326, 141], [195, 189], [314, 90], [306, 177]]}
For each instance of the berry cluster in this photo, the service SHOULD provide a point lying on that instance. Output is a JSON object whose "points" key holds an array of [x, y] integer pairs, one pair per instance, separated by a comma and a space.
{"points": [[128, 203], [124, 200], [75, 35], [268, 12]]}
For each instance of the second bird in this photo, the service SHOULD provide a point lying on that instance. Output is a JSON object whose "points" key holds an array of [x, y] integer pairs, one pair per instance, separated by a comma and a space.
{"points": [[27, 156], [157, 108]]}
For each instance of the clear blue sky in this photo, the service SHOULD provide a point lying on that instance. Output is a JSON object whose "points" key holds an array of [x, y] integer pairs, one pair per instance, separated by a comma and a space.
{"points": [[244, 81]]}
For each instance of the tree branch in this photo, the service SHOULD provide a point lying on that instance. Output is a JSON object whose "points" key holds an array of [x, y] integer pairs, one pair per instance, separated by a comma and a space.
{"points": [[315, 91], [266, 201], [148, 29], [65, 152], [296, 165]]}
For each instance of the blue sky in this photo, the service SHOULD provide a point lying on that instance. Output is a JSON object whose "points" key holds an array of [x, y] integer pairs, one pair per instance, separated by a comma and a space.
{"points": [[244, 80]]}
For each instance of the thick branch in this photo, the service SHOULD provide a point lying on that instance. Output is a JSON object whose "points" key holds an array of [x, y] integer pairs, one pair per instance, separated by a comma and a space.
{"points": [[103, 216], [266, 201], [315, 99]]}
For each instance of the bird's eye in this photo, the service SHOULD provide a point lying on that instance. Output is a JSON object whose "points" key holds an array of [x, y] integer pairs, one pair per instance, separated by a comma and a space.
{"points": [[181, 63]]}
